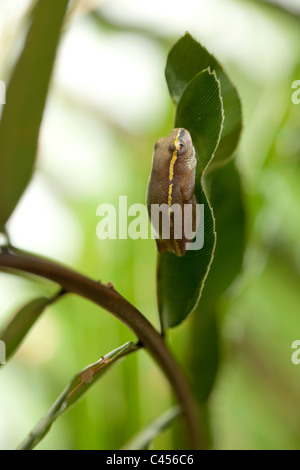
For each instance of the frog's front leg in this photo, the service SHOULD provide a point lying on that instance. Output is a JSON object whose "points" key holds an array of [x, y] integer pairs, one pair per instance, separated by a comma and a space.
{"points": [[187, 185]]}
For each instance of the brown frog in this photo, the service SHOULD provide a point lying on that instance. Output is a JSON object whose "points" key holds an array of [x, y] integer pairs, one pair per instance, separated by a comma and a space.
{"points": [[172, 184]]}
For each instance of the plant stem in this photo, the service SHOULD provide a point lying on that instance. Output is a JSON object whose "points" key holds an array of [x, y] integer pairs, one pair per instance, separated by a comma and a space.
{"points": [[109, 299]]}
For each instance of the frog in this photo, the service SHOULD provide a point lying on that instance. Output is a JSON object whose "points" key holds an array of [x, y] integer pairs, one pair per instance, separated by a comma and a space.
{"points": [[172, 184]]}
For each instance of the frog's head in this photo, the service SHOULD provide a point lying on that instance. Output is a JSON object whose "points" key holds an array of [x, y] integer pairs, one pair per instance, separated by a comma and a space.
{"points": [[178, 142]]}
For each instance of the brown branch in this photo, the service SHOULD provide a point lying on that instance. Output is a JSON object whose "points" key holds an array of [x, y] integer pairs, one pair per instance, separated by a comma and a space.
{"points": [[109, 299]]}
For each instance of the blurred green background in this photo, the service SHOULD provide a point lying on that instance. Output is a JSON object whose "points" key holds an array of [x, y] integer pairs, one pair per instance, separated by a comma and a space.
{"points": [[108, 104]]}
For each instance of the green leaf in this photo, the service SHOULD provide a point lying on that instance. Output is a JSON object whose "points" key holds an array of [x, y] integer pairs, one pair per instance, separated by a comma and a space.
{"points": [[227, 200], [213, 117], [26, 98], [18, 327], [143, 440], [186, 59], [200, 110], [226, 197], [79, 385], [180, 280]]}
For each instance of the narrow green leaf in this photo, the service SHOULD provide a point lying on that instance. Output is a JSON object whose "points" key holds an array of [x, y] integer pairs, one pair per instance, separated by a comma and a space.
{"points": [[26, 98], [79, 385], [180, 280], [18, 327], [186, 59], [142, 440]]}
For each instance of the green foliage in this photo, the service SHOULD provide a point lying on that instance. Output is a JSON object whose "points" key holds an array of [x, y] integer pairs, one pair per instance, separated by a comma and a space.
{"points": [[208, 106], [180, 279], [256, 403], [26, 95], [79, 385], [200, 109], [21, 323], [227, 200], [186, 59]]}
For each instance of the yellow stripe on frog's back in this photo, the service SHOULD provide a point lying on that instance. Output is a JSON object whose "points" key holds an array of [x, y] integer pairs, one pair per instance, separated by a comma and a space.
{"points": [[171, 170]]}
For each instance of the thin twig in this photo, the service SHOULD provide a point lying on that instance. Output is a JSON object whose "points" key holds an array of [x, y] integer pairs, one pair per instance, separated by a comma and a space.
{"points": [[109, 299]]}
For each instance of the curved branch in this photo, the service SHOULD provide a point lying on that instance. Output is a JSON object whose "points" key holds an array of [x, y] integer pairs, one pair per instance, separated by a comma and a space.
{"points": [[109, 299]]}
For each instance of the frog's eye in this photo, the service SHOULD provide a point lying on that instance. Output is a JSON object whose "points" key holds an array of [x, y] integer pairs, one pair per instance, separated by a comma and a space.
{"points": [[180, 147]]}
